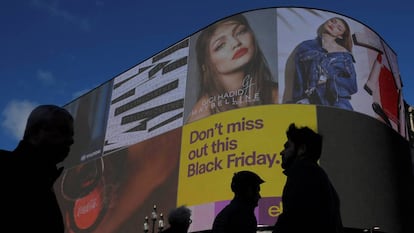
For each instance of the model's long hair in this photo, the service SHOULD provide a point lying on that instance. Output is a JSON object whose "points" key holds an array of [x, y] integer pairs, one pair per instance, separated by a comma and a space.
{"points": [[257, 68], [346, 40]]}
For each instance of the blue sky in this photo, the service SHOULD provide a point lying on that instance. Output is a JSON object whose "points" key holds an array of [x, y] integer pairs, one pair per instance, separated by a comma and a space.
{"points": [[52, 51]]}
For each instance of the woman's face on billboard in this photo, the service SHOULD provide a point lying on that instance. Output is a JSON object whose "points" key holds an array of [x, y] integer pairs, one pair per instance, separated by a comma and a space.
{"points": [[335, 27], [231, 47]]}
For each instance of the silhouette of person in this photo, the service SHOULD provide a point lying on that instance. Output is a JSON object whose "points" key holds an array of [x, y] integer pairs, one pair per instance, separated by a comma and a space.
{"points": [[28, 173], [310, 202], [238, 216], [179, 220]]}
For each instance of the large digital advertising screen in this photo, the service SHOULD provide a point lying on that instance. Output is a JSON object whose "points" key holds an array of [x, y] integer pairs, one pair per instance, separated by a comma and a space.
{"points": [[213, 149], [173, 129], [148, 99], [90, 115], [331, 60]]}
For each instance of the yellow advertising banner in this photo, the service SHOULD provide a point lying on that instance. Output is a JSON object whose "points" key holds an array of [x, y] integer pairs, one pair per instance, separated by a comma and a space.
{"points": [[214, 148]]}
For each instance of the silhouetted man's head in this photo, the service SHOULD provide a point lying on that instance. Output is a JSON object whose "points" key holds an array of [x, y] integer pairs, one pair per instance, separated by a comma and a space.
{"points": [[246, 186], [302, 143], [50, 128], [180, 218]]}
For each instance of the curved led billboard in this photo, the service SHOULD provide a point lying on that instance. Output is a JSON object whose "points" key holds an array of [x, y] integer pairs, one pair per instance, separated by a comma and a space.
{"points": [[173, 129]]}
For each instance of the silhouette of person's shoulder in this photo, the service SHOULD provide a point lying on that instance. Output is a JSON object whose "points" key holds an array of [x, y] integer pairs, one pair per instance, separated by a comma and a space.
{"points": [[5, 157], [5, 154], [7, 163]]}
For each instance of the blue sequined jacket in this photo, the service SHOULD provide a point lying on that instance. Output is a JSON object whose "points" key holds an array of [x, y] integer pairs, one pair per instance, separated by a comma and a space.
{"points": [[322, 76]]}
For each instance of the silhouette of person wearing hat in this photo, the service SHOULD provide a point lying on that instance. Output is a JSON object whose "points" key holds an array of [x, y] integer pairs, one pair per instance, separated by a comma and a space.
{"points": [[238, 215]]}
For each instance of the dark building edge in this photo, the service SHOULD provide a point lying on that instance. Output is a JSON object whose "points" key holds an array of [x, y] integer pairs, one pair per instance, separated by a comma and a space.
{"points": [[371, 168]]}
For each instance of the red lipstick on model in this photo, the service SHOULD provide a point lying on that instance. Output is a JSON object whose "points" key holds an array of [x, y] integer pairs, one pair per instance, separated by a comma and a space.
{"points": [[239, 53]]}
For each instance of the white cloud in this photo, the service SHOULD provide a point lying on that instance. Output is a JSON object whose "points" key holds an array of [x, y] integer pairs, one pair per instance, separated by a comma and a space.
{"points": [[54, 9], [45, 77], [15, 115]]}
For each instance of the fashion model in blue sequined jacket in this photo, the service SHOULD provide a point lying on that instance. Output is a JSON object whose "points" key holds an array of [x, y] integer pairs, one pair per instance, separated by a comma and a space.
{"points": [[323, 78]]}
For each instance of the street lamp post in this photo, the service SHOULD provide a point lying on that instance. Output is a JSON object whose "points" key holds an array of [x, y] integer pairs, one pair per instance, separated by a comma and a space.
{"points": [[154, 217], [372, 229]]}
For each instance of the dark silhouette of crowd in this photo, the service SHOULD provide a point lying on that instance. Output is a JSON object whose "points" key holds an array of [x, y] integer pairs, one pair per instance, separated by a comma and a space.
{"points": [[28, 173]]}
